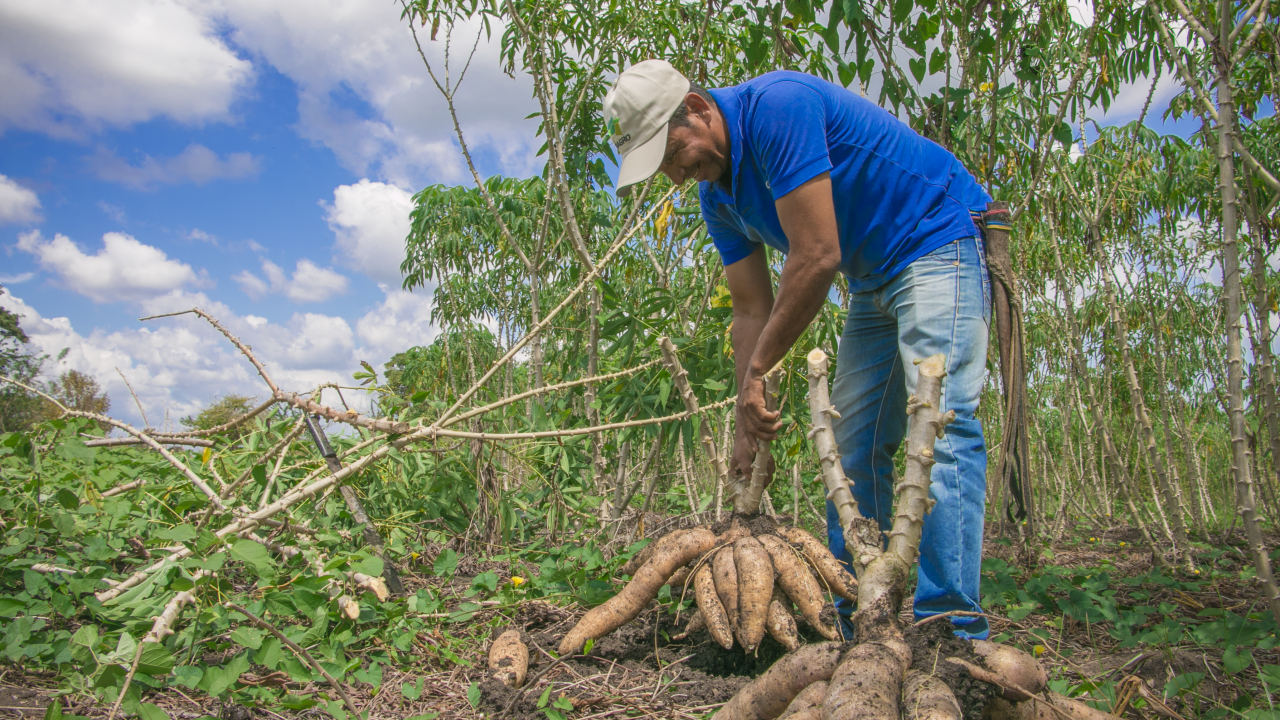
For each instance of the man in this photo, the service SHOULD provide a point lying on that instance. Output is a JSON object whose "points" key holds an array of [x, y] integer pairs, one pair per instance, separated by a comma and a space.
{"points": [[839, 185]]}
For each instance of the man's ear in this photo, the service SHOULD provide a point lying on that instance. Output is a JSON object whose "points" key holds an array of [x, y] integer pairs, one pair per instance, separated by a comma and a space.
{"points": [[698, 105]]}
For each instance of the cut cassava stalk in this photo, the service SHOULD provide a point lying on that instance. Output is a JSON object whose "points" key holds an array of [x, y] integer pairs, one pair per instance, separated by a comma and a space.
{"points": [[927, 424], [121, 442], [679, 377], [861, 536], [747, 502]]}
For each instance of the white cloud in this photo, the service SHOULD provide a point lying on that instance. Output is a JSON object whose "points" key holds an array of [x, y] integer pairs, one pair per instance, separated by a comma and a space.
{"points": [[71, 65], [371, 221], [202, 236], [178, 365], [364, 92], [196, 164], [17, 204], [122, 270], [15, 279], [310, 282]]}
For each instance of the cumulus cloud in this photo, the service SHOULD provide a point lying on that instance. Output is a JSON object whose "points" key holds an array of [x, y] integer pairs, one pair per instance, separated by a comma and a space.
{"points": [[178, 365], [309, 283], [17, 204], [67, 66], [196, 164], [371, 221], [123, 269], [364, 92]]}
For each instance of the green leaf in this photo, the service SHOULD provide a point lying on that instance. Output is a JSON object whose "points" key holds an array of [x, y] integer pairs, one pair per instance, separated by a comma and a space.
{"points": [[11, 607], [372, 676], [487, 580], [446, 562], [188, 675], [151, 711], [917, 68], [67, 499], [546, 695], [1236, 659], [255, 555], [1063, 133], [297, 702], [156, 660], [269, 654], [250, 637], [473, 695], [54, 711], [84, 642], [714, 385], [367, 564], [178, 533], [411, 691]]}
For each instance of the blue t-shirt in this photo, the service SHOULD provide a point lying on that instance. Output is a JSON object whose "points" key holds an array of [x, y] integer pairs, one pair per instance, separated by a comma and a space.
{"points": [[898, 196]]}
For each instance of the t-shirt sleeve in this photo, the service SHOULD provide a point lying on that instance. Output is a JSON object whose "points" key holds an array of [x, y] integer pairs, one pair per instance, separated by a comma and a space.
{"points": [[788, 128], [730, 242]]}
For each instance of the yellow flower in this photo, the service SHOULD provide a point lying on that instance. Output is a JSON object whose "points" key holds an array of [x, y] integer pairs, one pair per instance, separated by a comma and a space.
{"points": [[415, 556], [1038, 650], [206, 456], [1093, 539], [984, 87], [516, 581], [1122, 543]]}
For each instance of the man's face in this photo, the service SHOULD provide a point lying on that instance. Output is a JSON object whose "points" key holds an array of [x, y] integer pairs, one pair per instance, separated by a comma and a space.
{"points": [[698, 150]]}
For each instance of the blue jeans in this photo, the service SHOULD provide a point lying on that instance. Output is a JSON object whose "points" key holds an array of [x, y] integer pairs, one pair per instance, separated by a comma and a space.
{"points": [[940, 304]]}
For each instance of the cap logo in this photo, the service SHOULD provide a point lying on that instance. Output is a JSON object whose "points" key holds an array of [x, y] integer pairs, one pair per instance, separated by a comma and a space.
{"points": [[622, 141]]}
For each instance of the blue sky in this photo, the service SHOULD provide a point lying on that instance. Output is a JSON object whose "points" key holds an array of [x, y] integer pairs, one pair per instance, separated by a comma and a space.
{"points": [[254, 158]]}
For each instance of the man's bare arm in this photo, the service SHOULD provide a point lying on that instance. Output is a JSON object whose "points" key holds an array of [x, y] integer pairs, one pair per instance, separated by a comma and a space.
{"points": [[808, 218], [752, 293]]}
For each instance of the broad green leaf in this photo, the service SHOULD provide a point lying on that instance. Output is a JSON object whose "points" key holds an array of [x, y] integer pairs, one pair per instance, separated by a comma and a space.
{"points": [[156, 660], [178, 533], [446, 562], [250, 637], [151, 711], [367, 564]]}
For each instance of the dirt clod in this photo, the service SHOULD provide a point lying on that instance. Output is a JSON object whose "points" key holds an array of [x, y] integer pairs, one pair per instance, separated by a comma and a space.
{"points": [[930, 645]]}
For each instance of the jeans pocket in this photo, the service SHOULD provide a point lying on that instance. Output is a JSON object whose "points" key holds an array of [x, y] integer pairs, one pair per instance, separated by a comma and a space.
{"points": [[948, 254]]}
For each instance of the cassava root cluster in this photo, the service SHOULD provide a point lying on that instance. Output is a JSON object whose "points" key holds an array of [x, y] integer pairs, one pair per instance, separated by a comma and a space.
{"points": [[871, 681], [744, 584]]}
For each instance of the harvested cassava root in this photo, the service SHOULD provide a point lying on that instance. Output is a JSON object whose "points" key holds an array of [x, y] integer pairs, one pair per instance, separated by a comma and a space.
{"points": [[509, 659], [734, 568], [745, 581]]}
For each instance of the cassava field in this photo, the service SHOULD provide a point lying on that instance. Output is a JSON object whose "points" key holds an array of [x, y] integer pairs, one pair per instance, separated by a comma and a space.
{"points": [[533, 516]]}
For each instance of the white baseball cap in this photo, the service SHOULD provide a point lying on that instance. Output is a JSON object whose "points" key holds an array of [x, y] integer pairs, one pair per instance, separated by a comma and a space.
{"points": [[636, 113]]}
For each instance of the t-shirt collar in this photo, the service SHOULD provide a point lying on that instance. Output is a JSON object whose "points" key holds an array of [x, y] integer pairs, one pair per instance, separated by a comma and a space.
{"points": [[731, 110]]}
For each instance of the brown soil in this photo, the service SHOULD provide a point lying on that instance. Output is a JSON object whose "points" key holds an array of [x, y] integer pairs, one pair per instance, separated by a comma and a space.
{"points": [[931, 645]]}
